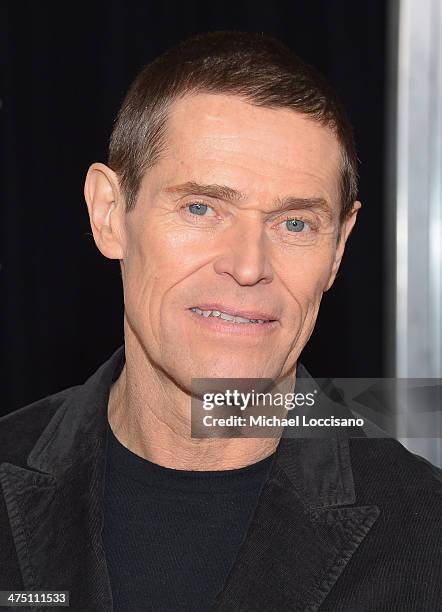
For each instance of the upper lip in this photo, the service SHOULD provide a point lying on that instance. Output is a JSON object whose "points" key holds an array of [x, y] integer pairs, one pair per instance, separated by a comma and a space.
{"points": [[237, 312]]}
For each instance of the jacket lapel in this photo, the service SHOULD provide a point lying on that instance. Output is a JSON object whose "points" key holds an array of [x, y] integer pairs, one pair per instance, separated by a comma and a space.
{"points": [[301, 535], [298, 544], [300, 538], [55, 507], [56, 525]]}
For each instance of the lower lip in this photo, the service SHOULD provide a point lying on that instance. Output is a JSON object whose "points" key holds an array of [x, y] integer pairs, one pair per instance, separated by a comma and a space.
{"points": [[216, 324]]}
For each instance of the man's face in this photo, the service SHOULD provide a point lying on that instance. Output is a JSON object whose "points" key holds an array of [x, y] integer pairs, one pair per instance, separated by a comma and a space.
{"points": [[208, 232]]}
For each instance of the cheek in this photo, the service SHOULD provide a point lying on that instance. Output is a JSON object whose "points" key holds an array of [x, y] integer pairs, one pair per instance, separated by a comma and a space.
{"points": [[142, 270], [306, 275], [157, 259], [165, 240]]}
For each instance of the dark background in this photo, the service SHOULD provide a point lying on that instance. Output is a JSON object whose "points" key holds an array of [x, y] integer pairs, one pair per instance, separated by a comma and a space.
{"points": [[65, 70]]}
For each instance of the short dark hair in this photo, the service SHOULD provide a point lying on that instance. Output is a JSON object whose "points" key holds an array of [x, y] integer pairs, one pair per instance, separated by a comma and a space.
{"points": [[254, 66]]}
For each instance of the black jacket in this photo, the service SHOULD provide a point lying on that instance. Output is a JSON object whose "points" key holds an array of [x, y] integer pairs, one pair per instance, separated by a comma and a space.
{"points": [[343, 524]]}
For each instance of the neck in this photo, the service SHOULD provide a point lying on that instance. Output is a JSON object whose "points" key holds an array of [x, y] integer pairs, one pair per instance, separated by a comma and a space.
{"points": [[150, 415]]}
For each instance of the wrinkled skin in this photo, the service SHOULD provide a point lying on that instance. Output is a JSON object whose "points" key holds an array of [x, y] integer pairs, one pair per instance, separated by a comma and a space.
{"points": [[239, 253]]}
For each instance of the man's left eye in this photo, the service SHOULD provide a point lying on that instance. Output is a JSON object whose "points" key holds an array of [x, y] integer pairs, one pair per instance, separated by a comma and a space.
{"points": [[295, 225], [198, 208]]}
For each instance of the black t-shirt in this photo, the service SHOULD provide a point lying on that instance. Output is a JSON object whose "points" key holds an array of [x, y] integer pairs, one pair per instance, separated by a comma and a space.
{"points": [[171, 536]]}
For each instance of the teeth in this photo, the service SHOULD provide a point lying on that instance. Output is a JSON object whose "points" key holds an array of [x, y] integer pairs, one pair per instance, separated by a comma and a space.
{"points": [[226, 317], [241, 320]]}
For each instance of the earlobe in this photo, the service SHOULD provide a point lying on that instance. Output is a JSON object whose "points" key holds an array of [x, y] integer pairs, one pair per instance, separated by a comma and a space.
{"points": [[101, 191]]}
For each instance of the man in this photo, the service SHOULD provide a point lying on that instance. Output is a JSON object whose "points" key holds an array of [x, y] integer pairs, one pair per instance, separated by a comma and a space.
{"points": [[228, 200]]}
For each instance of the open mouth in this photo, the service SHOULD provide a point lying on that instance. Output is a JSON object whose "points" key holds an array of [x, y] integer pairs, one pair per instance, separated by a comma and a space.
{"points": [[224, 316]]}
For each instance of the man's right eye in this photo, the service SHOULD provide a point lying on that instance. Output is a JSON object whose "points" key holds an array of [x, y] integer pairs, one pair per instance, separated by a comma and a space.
{"points": [[199, 208]]}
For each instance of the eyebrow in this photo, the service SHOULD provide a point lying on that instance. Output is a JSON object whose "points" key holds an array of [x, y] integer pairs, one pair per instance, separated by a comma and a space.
{"points": [[227, 194], [220, 192]]}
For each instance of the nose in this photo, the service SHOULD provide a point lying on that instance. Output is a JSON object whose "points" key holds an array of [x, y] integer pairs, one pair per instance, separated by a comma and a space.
{"points": [[244, 253]]}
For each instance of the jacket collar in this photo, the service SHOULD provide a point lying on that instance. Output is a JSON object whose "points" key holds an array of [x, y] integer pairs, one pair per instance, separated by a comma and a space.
{"points": [[298, 543]]}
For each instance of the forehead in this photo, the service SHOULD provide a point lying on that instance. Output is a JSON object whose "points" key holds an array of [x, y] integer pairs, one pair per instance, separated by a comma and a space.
{"points": [[225, 139]]}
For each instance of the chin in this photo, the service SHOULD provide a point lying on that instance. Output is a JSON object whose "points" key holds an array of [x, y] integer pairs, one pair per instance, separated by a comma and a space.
{"points": [[230, 368]]}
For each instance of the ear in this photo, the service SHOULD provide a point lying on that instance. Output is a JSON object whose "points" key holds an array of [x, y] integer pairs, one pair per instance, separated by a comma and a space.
{"points": [[105, 206], [346, 228]]}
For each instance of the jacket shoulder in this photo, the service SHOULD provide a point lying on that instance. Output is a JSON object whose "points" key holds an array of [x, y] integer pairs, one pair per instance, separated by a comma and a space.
{"points": [[385, 467], [20, 430]]}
